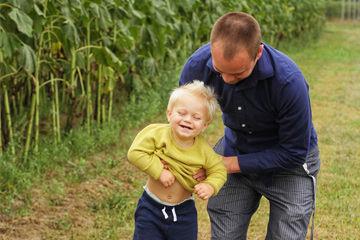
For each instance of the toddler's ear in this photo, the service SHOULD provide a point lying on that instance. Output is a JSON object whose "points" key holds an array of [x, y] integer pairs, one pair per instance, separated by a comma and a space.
{"points": [[168, 114], [205, 127]]}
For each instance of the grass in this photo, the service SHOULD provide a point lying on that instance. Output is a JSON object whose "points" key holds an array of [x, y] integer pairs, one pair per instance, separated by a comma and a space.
{"points": [[94, 196]]}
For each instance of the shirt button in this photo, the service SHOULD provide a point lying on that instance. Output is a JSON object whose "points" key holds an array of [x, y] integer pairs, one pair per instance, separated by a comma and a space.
{"points": [[243, 125], [250, 132], [239, 108]]}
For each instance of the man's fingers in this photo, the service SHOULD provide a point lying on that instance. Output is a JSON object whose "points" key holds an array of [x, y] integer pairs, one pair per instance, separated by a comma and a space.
{"points": [[165, 164], [199, 177]]}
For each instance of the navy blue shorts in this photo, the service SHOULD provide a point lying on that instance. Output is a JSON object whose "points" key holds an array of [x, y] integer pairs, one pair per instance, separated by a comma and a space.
{"points": [[155, 221]]}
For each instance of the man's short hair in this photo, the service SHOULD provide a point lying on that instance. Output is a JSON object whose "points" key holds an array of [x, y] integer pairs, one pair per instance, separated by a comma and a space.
{"points": [[236, 31]]}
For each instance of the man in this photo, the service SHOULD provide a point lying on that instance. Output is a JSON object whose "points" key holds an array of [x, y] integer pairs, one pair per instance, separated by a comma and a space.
{"points": [[270, 144]]}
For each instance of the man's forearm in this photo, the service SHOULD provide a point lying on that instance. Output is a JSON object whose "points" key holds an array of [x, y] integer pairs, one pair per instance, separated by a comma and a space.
{"points": [[232, 164]]}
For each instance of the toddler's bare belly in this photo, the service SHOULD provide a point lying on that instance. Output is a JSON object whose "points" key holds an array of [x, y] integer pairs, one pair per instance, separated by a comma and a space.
{"points": [[173, 194]]}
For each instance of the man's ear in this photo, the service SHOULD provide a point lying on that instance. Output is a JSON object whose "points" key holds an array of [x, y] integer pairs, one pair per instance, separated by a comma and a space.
{"points": [[260, 51]]}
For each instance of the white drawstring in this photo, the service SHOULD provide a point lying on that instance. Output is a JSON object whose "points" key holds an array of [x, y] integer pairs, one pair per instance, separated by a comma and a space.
{"points": [[174, 214], [164, 212], [167, 216]]}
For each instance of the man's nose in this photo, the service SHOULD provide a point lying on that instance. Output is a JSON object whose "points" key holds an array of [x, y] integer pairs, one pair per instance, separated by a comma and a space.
{"points": [[227, 77]]}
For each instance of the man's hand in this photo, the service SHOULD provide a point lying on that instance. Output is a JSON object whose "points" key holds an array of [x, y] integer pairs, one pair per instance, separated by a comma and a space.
{"points": [[165, 164], [204, 190], [167, 178], [200, 175], [231, 164]]}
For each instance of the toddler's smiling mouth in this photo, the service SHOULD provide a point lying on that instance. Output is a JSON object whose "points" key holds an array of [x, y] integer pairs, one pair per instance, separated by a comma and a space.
{"points": [[183, 126]]}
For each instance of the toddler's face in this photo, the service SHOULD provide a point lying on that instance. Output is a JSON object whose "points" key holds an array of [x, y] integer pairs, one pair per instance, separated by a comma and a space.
{"points": [[188, 118]]}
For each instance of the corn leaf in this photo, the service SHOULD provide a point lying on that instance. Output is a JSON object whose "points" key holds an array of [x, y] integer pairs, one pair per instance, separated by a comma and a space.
{"points": [[23, 21], [27, 58]]}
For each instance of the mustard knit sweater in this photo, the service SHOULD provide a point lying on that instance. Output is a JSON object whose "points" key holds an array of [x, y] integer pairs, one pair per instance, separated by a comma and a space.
{"points": [[155, 142]]}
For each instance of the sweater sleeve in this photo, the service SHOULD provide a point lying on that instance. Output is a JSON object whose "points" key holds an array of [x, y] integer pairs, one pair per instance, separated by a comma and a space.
{"points": [[216, 171], [141, 153]]}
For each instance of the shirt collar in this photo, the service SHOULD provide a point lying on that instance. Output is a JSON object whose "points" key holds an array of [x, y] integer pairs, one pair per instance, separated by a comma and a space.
{"points": [[262, 70]]}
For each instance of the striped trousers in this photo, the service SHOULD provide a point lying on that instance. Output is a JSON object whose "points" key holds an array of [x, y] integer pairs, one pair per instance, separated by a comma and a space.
{"points": [[291, 195]]}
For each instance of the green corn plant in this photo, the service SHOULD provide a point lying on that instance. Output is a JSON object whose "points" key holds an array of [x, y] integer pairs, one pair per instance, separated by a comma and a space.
{"points": [[36, 81], [55, 110], [54, 48], [1, 143], [89, 108], [54, 104], [8, 118], [7, 111], [71, 89], [30, 126], [99, 90], [110, 90]]}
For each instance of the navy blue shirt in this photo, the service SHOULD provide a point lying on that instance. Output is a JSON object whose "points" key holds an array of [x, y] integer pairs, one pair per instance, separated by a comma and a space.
{"points": [[267, 116]]}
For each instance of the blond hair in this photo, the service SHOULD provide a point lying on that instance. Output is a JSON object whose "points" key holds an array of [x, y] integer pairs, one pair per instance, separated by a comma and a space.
{"points": [[197, 89], [237, 31]]}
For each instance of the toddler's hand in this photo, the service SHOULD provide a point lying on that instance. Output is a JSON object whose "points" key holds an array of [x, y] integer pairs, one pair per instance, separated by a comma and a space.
{"points": [[167, 178], [204, 190]]}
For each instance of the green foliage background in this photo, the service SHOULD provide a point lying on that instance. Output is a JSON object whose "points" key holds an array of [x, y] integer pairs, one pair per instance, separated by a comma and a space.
{"points": [[76, 73]]}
